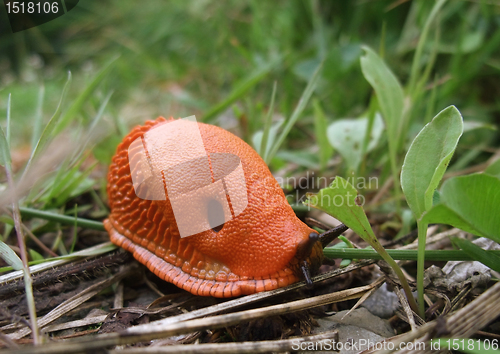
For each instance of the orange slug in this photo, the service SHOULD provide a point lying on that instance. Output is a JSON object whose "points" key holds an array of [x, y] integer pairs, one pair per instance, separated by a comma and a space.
{"points": [[261, 246]]}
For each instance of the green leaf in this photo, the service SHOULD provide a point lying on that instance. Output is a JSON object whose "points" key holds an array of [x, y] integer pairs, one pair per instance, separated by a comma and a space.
{"points": [[389, 94], [10, 257], [320, 126], [442, 214], [428, 158], [347, 136], [339, 200], [471, 203], [487, 258], [494, 169]]}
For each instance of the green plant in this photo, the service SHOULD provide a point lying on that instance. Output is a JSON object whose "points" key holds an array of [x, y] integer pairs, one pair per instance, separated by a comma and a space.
{"points": [[340, 200], [423, 168]]}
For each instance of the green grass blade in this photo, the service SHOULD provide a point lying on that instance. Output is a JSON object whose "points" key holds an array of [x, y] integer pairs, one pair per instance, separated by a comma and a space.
{"points": [[415, 67], [73, 188], [49, 130], [7, 128], [82, 98], [63, 219], [267, 126], [37, 121], [304, 99], [240, 89], [320, 129], [5, 158]]}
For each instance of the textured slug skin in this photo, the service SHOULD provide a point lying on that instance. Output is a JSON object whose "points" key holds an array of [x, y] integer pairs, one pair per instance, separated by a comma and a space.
{"points": [[258, 250]]}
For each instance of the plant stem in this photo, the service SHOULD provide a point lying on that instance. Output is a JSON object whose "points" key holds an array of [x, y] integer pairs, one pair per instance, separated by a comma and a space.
{"points": [[422, 236], [395, 176], [404, 283], [400, 255]]}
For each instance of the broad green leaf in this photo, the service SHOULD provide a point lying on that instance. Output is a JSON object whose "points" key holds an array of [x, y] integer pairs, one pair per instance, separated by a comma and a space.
{"points": [[389, 94], [494, 169], [10, 257], [487, 258], [442, 214], [428, 158], [347, 136], [340, 201], [471, 203], [325, 149]]}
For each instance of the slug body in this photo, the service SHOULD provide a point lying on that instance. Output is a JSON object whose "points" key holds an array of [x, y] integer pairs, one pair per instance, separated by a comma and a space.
{"points": [[262, 248]]}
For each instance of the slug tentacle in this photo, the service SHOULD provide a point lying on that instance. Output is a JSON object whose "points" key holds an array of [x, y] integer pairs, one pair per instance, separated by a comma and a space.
{"points": [[330, 235]]}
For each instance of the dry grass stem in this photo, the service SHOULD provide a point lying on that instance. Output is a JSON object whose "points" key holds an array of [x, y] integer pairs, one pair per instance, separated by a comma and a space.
{"points": [[153, 330], [285, 345]]}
